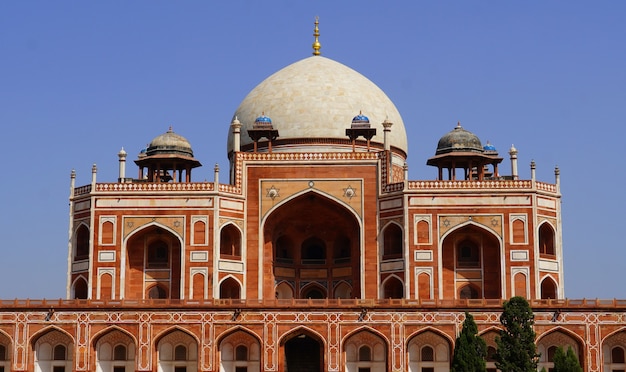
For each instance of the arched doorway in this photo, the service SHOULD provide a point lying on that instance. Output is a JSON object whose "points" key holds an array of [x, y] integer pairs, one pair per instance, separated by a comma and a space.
{"points": [[153, 265], [302, 352], [315, 243]]}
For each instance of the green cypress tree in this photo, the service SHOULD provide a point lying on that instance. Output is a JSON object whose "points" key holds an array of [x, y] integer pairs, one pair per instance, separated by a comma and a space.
{"points": [[517, 351], [566, 362], [469, 350]]}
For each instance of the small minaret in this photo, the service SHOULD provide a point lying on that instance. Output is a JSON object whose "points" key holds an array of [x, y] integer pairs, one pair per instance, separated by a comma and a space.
{"points": [[236, 125], [316, 44], [386, 132], [216, 176], [533, 167], [94, 171], [405, 170], [72, 183], [122, 158], [513, 153], [557, 179]]}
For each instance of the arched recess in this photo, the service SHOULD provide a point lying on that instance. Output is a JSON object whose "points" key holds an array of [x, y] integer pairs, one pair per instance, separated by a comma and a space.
{"points": [[312, 236], [472, 254], [392, 287], [230, 242], [176, 350], [230, 288], [107, 233], [80, 289], [343, 290], [393, 241], [365, 350], [547, 240], [314, 291], [81, 241], [423, 231], [199, 284], [520, 284], [53, 349], [284, 290], [489, 336], [152, 257], [302, 350], [429, 350], [5, 351], [424, 285], [240, 350], [558, 337], [468, 291], [518, 231], [115, 350], [549, 289], [614, 351]]}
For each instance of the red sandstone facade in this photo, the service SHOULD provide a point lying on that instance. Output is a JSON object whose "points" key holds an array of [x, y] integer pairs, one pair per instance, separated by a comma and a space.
{"points": [[318, 255]]}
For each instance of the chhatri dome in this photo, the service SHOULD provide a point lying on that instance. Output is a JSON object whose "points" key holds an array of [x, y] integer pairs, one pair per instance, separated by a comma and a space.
{"points": [[170, 143], [311, 103]]}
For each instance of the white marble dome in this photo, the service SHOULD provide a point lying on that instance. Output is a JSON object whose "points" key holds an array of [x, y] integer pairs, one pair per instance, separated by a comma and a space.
{"points": [[317, 98]]}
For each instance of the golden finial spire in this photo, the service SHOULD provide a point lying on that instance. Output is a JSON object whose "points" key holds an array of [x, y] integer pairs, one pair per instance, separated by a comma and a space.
{"points": [[316, 33]]}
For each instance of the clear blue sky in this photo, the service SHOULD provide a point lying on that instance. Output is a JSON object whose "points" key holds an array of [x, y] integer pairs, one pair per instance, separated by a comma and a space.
{"points": [[81, 79]]}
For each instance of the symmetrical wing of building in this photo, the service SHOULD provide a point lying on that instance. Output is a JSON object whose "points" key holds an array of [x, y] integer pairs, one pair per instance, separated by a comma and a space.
{"points": [[317, 254]]}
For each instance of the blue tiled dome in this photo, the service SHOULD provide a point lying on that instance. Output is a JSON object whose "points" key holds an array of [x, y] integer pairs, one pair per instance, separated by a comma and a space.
{"points": [[263, 120], [489, 147], [360, 119]]}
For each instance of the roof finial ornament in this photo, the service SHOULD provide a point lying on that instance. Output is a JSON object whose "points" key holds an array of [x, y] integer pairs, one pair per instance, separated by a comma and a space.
{"points": [[316, 33]]}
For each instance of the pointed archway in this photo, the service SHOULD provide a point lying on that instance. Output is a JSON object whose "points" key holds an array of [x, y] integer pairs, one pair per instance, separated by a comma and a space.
{"points": [[153, 264], [303, 352], [315, 243], [472, 261]]}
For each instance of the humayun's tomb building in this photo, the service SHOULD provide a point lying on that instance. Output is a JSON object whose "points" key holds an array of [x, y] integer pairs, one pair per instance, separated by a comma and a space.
{"points": [[313, 252]]}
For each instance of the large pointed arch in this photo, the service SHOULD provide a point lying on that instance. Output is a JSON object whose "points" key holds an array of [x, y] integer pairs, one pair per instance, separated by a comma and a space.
{"points": [[114, 347], [302, 346], [239, 348], [176, 347], [558, 336], [490, 245], [52, 347], [6, 345], [613, 348], [365, 348], [429, 348], [313, 237], [150, 230]]}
